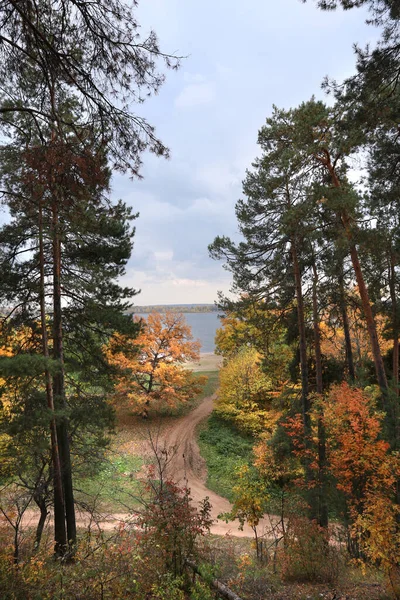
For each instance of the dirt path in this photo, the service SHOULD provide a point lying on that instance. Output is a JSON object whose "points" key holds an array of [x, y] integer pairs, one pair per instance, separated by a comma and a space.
{"points": [[187, 466]]}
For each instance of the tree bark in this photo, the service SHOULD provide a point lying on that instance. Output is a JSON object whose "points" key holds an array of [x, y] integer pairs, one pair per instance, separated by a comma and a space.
{"points": [[322, 492], [60, 538], [59, 380], [346, 329], [362, 288], [371, 326]]}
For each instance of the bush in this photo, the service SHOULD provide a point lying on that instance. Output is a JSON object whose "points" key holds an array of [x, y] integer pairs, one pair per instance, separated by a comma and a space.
{"points": [[307, 555], [252, 580]]}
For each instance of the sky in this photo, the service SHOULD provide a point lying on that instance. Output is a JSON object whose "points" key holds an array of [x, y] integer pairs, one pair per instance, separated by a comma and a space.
{"points": [[241, 57]]}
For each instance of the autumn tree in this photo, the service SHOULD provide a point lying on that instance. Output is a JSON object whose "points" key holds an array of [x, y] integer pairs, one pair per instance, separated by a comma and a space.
{"points": [[364, 468], [248, 322], [50, 278], [245, 395], [154, 371]]}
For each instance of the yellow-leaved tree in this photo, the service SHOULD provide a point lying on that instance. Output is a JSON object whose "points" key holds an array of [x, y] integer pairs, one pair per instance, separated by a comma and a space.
{"points": [[152, 366], [245, 393]]}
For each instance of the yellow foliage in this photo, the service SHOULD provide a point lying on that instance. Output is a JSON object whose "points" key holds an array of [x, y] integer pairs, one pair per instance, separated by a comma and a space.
{"points": [[244, 395]]}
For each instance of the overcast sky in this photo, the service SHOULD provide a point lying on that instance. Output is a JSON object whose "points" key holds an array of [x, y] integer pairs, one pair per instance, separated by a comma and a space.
{"points": [[242, 57]]}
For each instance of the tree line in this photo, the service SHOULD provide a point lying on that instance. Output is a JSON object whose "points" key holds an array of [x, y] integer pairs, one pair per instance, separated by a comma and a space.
{"points": [[318, 262]]}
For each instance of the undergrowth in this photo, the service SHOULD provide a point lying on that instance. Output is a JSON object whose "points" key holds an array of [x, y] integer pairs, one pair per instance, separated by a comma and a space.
{"points": [[225, 450], [115, 486]]}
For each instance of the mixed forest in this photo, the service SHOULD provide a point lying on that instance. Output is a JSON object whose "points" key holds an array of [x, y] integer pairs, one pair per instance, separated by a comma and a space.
{"points": [[304, 438]]}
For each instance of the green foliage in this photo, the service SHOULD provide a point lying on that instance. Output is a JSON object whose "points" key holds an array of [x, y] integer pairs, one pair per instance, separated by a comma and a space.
{"points": [[170, 588], [114, 486], [201, 591], [225, 450]]}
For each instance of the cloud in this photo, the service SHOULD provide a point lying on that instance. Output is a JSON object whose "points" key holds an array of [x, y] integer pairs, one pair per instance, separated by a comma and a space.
{"points": [[241, 59], [195, 94], [189, 283], [164, 255]]}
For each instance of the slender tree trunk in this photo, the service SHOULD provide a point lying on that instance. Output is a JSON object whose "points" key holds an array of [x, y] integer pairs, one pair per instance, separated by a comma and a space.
{"points": [[346, 329], [60, 537], [395, 324], [302, 340], [317, 332], [304, 378], [59, 380], [42, 520], [362, 288], [322, 504], [395, 427], [371, 326]]}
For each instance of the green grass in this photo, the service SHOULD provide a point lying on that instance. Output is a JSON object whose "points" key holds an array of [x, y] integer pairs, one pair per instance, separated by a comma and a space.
{"points": [[115, 488], [211, 386], [225, 450]]}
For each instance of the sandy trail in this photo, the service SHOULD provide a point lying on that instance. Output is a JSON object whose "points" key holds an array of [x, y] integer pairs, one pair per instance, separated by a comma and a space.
{"points": [[185, 466]]}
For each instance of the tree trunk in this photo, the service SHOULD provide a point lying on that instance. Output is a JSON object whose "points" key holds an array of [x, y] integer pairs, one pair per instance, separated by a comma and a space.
{"points": [[395, 427], [59, 381], [371, 326], [302, 341], [322, 492], [395, 325], [362, 288], [60, 537], [42, 520], [346, 329], [304, 379]]}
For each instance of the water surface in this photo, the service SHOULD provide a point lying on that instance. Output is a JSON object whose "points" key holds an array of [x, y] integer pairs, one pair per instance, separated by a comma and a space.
{"points": [[204, 326]]}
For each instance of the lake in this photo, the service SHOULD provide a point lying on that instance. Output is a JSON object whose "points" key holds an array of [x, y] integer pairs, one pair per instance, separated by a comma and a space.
{"points": [[204, 326]]}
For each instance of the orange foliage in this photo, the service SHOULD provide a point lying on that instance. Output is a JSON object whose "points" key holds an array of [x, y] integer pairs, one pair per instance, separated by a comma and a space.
{"points": [[359, 460], [155, 372]]}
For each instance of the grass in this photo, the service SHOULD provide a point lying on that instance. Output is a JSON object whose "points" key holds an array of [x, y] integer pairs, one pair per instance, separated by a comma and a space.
{"points": [[225, 450], [211, 386], [115, 488]]}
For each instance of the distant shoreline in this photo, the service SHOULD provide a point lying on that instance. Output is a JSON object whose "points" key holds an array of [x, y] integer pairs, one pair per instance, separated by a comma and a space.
{"points": [[208, 362], [183, 308]]}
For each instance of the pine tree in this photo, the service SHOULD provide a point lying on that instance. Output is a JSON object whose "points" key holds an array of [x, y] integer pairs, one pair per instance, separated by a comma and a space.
{"points": [[273, 221], [69, 74], [96, 50], [48, 252]]}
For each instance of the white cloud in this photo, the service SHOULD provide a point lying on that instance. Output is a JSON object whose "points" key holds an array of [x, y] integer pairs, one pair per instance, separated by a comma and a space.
{"points": [[189, 283], [164, 255], [195, 94]]}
